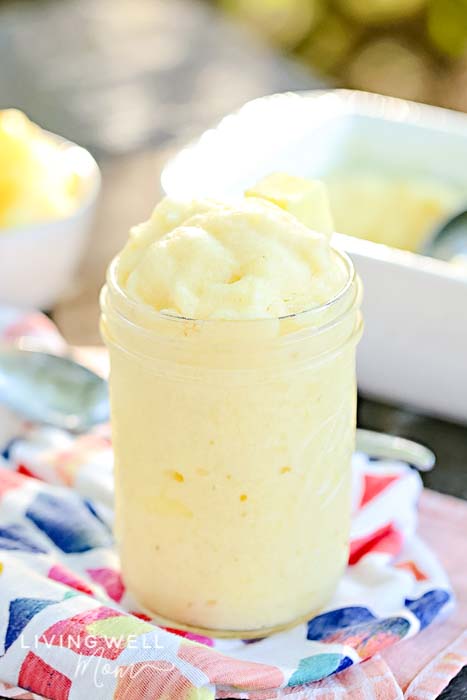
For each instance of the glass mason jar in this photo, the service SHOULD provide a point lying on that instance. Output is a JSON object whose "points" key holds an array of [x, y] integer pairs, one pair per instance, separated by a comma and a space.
{"points": [[233, 443]]}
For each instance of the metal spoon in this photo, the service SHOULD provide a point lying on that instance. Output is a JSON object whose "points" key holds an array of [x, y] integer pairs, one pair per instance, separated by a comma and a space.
{"points": [[52, 389], [450, 239], [391, 447]]}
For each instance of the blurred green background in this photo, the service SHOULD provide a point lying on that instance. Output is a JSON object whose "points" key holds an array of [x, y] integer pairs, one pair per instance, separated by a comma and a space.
{"points": [[415, 49]]}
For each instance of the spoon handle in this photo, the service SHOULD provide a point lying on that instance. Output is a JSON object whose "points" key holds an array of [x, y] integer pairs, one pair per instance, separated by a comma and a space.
{"points": [[386, 446]]}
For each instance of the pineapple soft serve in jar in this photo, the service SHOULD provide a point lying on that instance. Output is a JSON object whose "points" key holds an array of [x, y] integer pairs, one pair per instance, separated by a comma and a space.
{"points": [[232, 331]]}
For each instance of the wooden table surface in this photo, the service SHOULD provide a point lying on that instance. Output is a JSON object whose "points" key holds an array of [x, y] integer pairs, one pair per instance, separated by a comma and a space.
{"points": [[132, 80]]}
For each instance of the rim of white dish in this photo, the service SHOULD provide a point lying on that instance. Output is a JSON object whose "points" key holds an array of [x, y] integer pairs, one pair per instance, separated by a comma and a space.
{"points": [[342, 102], [92, 176]]}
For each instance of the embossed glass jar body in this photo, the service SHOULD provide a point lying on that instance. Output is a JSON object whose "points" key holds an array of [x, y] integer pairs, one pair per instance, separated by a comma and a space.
{"points": [[233, 442]]}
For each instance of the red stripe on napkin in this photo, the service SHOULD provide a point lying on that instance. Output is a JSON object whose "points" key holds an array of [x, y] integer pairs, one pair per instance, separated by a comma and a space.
{"points": [[387, 539]]}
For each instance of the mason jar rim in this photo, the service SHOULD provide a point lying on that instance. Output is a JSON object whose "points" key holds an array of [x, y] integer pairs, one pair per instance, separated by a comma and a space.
{"points": [[115, 287]]}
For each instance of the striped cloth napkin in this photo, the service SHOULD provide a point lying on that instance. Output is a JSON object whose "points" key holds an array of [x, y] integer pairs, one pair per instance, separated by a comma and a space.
{"points": [[69, 629]]}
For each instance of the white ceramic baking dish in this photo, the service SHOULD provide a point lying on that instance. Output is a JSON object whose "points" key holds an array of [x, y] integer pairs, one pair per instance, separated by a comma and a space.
{"points": [[414, 349]]}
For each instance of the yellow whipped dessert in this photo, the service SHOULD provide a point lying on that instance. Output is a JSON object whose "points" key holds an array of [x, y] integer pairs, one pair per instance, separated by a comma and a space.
{"points": [[232, 331], [400, 212], [208, 260], [36, 182]]}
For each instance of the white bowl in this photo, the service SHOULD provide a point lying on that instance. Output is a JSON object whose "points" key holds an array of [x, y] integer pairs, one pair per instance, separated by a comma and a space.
{"points": [[414, 349], [38, 262]]}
